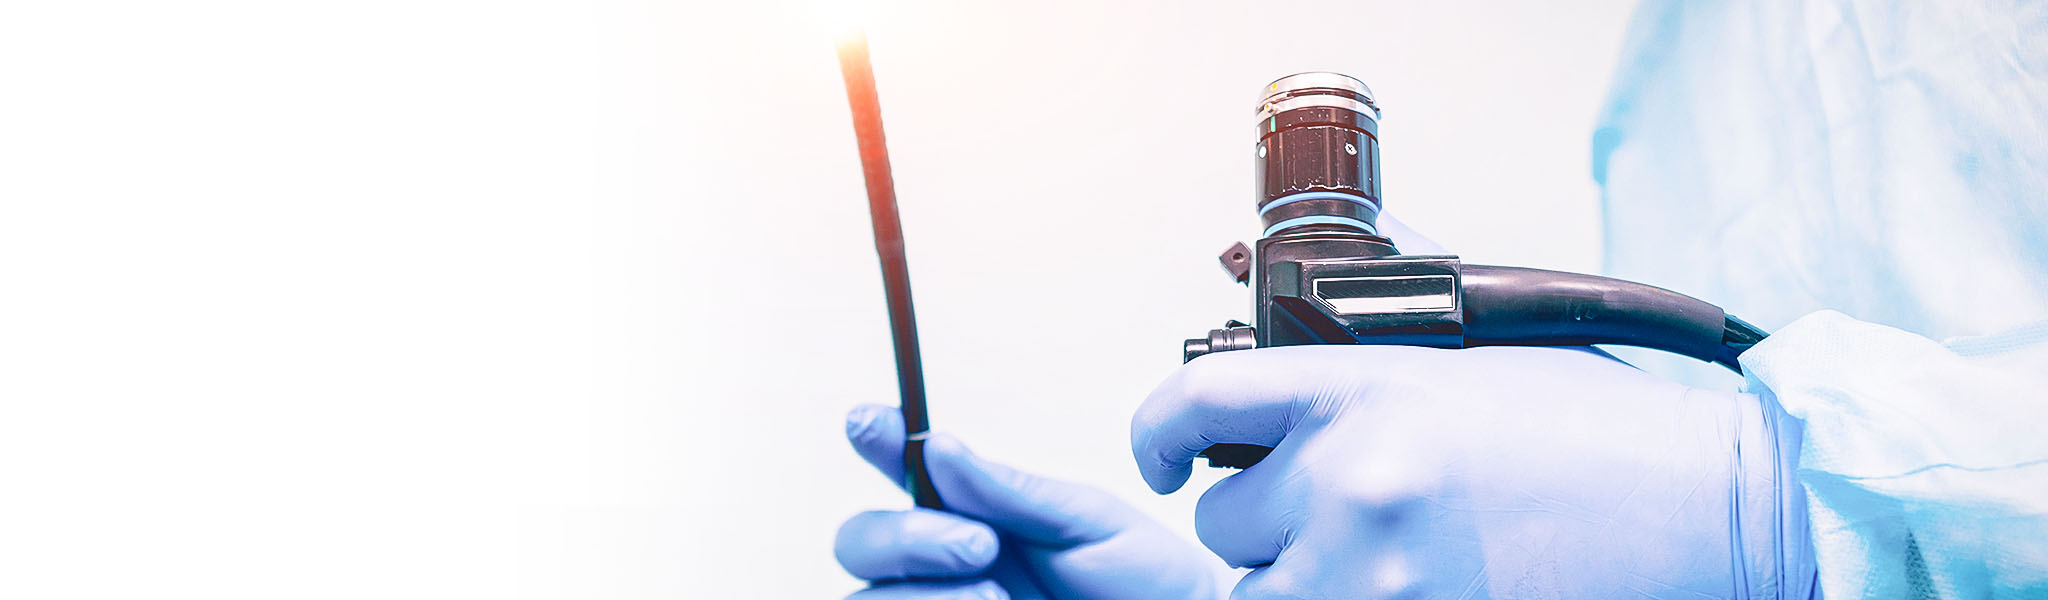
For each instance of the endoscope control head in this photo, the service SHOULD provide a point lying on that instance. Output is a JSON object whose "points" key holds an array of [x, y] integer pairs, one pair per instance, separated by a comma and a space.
{"points": [[1322, 274], [1317, 191]]}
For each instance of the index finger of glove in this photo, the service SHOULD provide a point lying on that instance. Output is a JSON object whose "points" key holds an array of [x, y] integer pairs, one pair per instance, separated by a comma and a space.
{"points": [[913, 544], [934, 590], [1237, 397], [1041, 510]]}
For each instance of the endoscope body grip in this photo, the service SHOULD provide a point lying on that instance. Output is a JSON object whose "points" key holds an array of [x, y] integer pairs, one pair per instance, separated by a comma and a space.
{"points": [[1321, 273], [1438, 301], [1366, 293]]}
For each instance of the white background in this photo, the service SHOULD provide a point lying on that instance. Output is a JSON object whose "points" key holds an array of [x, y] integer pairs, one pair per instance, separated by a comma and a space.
{"points": [[564, 299]]}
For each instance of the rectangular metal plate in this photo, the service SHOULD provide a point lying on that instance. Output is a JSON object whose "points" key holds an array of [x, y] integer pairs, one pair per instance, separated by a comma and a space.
{"points": [[1388, 294]]}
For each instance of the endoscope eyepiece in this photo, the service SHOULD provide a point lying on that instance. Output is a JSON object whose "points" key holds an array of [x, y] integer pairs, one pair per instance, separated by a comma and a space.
{"points": [[1318, 154], [1319, 84]]}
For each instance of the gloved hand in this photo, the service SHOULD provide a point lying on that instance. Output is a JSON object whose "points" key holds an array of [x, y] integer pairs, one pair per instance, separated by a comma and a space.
{"points": [[1514, 472], [1008, 534]]}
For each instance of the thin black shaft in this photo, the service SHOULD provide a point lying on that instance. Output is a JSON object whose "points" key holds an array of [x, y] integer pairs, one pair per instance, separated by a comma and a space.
{"points": [[874, 165]]}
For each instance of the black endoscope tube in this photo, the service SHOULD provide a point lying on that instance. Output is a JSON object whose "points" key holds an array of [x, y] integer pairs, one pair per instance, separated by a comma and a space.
{"points": [[1517, 306], [874, 166]]}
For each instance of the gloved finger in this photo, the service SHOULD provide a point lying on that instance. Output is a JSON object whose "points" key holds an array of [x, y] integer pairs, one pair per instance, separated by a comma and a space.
{"points": [[1043, 511], [1238, 518], [1239, 397], [876, 432], [1283, 579], [1402, 545], [1040, 510], [974, 590], [1407, 239], [913, 544]]}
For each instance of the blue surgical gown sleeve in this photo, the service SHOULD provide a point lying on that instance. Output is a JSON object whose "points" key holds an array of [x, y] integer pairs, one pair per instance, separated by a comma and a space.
{"points": [[1821, 167], [1888, 160], [1925, 464]]}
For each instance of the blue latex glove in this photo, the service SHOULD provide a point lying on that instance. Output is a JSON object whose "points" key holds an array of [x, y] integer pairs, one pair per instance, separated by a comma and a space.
{"points": [[1515, 472], [1008, 535]]}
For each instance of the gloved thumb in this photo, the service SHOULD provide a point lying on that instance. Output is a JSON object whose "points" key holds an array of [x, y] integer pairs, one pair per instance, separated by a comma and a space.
{"points": [[1039, 510]]}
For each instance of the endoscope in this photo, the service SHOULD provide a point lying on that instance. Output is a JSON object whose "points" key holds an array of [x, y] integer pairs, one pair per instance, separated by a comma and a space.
{"points": [[1322, 273], [866, 105]]}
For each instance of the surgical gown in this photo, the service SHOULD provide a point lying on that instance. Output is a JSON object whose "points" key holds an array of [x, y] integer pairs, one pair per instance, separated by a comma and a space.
{"points": [[1862, 178]]}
